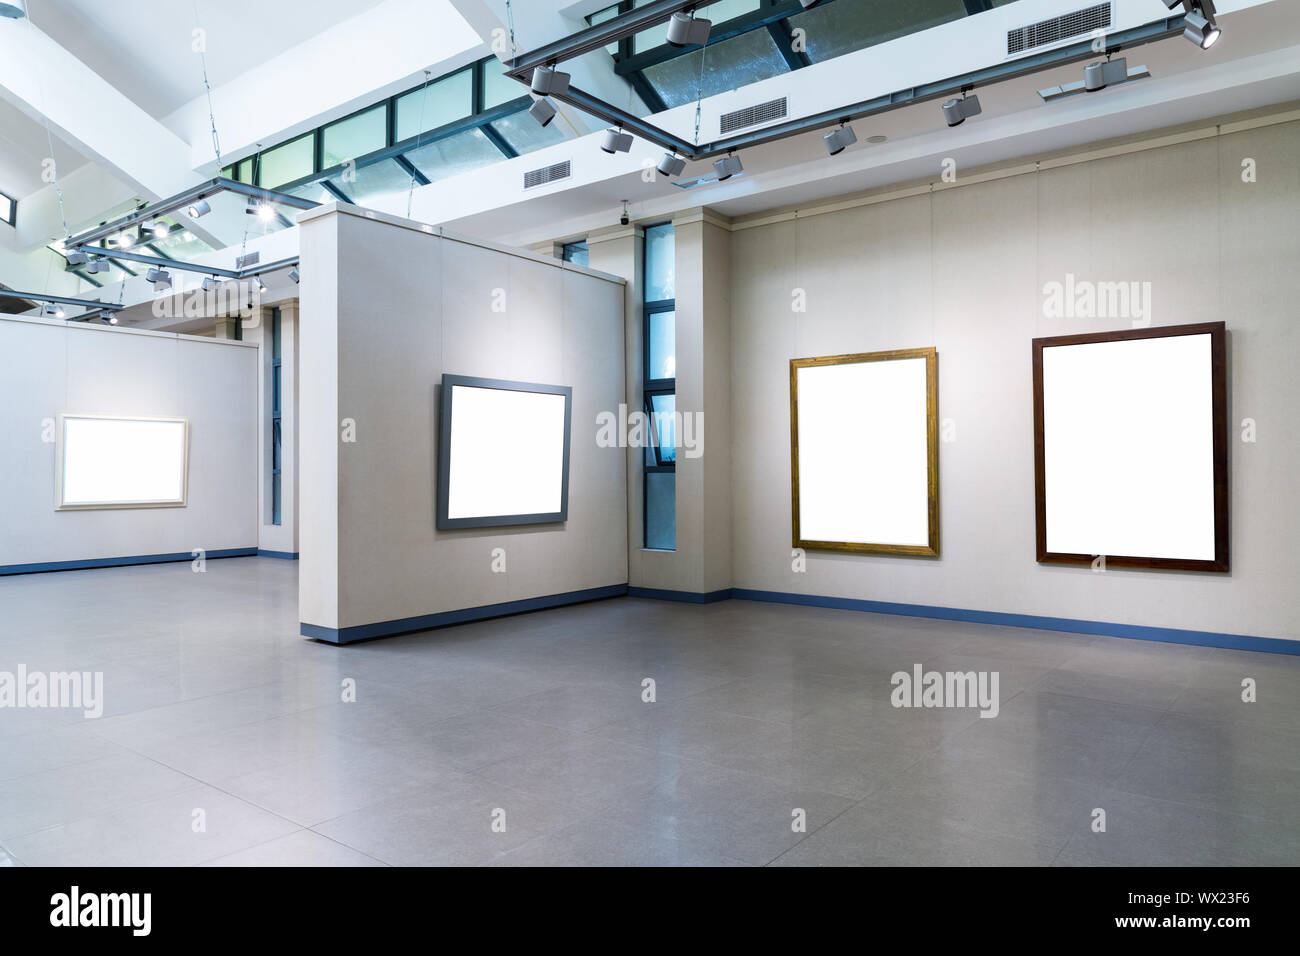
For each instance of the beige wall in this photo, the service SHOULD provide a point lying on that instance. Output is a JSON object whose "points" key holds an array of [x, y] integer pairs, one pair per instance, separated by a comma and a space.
{"points": [[392, 307], [963, 270]]}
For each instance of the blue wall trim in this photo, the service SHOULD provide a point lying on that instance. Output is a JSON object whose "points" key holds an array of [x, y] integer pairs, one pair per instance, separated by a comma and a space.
{"points": [[284, 555], [1170, 635], [363, 632], [119, 562], [689, 597]]}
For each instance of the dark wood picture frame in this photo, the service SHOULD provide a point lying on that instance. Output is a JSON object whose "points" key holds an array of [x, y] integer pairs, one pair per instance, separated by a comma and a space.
{"points": [[1219, 405], [931, 548]]}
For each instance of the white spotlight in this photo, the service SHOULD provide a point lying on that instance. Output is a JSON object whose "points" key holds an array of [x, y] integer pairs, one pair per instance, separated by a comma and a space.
{"points": [[259, 284], [837, 140], [293, 274], [211, 284], [548, 81], [542, 111], [159, 277], [957, 110], [112, 320], [77, 257], [727, 167], [616, 141], [671, 165], [685, 29], [159, 229], [1104, 73], [54, 309], [1200, 29], [199, 208]]}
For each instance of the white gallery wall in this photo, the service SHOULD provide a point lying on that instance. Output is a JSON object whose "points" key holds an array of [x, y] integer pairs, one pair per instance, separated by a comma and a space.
{"points": [[391, 307], [964, 270], [50, 367]]}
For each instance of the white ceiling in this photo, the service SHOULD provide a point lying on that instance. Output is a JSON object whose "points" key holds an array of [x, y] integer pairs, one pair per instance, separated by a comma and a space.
{"points": [[24, 148], [144, 47]]}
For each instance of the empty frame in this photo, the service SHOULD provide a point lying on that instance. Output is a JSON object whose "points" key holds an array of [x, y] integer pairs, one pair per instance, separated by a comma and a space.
{"points": [[864, 452], [105, 462], [1130, 448], [503, 453]]}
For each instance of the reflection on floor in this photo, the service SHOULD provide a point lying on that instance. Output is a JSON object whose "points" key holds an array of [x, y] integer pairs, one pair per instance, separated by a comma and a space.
{"points": [[526, 740]]}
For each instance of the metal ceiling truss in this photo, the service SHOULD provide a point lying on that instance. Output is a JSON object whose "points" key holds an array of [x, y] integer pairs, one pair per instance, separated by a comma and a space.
{"points": [[642, 18], [86, 241], [91, 306]]}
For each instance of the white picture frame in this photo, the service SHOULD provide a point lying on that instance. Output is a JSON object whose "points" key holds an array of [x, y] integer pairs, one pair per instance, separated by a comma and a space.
{"points": [[108, 462]]}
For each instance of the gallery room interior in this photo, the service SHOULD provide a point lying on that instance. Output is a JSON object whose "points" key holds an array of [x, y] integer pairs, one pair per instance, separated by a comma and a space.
{"points": [[351, 354]]}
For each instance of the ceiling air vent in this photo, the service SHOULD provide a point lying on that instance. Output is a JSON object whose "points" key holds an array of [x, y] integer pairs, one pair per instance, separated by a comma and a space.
{"points": [[1077, 23], [752, 115], [547, 174]]}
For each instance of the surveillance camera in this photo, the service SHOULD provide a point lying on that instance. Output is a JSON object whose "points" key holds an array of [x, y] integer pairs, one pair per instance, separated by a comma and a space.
{"points": [[623, 219]]}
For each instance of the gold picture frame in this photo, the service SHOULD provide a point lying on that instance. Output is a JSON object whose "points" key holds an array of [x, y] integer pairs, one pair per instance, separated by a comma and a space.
{"points": [[931, 547]]}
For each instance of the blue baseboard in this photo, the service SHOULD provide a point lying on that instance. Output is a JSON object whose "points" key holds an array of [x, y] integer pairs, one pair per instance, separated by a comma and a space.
{"points": [[120, 562], [365, 632], [1140, 632], [688, 597], [283, 555]]}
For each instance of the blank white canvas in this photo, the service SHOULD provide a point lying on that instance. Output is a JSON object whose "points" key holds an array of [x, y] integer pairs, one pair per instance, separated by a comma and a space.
{"points": [[116, 461], [507, 453], [864, 453], [1129, 448]]}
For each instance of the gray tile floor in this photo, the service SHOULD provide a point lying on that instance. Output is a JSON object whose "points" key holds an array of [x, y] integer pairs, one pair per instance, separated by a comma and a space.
{"points": [[225, 741]]}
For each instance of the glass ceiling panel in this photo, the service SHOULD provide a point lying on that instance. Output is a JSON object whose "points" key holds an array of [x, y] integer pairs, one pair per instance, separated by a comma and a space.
{"points": [[842, 27], [294, 160], [455, 154], [729, 65], [445, 101], [524, 135], [354, 137], [313, 191], [375, 183], [497, 87]]}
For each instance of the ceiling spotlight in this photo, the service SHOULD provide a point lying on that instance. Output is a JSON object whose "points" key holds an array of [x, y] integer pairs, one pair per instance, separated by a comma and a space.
{"points": [[1200, 29], [293, 274], [727, 167], [78, 257], [159, 228], [97, 265], [211, 284], [259, 284], [616, 141], [159, 277], [199, 208], [1104, 73], [54, 309], [839, 139], [542, 111], [684, 29], [125, 240], [671, 165], [957, 110], [548, 81]]}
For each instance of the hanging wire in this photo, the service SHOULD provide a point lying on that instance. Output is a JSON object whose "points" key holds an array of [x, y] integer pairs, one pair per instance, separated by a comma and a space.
{"points": [[203, 59], [424, 96], [699, 91], [49, 139]]}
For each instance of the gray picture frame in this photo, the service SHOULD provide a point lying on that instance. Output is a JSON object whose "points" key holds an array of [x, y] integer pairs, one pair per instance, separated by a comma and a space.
{"points": [[444, 521]]}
